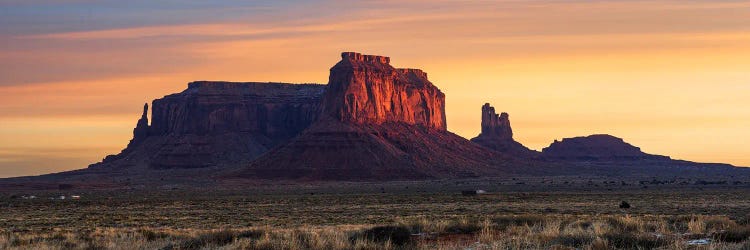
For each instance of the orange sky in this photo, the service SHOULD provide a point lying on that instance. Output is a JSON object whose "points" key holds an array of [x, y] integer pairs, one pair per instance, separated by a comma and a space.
{"points": [[672, 77]]}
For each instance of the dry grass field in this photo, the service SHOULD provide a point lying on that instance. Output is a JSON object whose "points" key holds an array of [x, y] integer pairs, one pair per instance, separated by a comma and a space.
{"points": [[513, 214]]}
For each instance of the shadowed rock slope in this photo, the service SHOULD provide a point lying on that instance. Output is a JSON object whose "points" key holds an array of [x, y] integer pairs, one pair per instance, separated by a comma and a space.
{"points": [[379, 123], [597, 147], [611, 155]]}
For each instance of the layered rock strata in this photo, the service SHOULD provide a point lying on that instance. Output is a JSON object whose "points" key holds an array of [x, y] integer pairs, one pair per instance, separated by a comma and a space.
{"points": [[378, 123], [218, 123], [366, 89]]}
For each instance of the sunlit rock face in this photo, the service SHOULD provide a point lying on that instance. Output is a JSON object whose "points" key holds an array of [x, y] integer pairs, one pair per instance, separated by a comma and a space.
{"points": [[497, 134], [219, 123], [366, 89]]}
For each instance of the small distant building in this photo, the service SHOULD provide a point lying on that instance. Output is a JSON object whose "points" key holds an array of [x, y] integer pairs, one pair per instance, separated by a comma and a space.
{"points": [[473, 192]]}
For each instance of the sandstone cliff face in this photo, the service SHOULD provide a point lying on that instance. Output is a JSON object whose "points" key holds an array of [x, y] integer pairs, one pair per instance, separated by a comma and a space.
{"points": [[377, 123], [596, 147], [217, 123], [273, 109], [497, 134], [366, 89]]}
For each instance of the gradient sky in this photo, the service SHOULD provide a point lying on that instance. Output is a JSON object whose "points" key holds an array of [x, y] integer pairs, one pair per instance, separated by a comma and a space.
{"points": [[672, 77]]}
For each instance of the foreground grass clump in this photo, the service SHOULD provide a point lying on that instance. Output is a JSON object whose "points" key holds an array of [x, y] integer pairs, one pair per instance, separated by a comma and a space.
{"points": [[496, 232], [397, 235], [734, 234]]}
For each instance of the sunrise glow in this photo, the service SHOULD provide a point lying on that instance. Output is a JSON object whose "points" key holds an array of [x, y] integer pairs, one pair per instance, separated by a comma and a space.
{"points": [[672, 77]]}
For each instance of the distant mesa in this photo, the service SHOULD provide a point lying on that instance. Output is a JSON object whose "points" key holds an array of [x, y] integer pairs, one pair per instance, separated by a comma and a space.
{"points": [[218, 123], [497, 134], [599, 147], [372, 121]]}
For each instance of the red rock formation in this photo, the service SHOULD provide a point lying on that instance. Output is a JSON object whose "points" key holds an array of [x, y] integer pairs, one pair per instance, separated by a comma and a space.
{"points": [[141, 130], [366, 89], [496, 126], [596, 147], [273, 109], [219, 123], [372, 122], [378, 123], [498, 135]]}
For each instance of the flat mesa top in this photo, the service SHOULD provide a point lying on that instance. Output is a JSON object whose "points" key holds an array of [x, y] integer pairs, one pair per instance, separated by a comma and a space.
{"points": [[354, 56], [251, 88]]}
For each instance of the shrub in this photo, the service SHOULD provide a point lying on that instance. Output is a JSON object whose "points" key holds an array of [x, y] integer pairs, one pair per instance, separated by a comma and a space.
{"points": [[718, 223], [150, 235], [634, 241], [463, 226], [599, 244], [250, 234], [626, 223], [520, 220], [733, 234], [574, 240], [680, 222], [189, 244], [217, 238], [94, 246], [59, 237], [428, 226], [624, 204], [582, 224], [697, 225], [745, 220], [397, 235]]}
